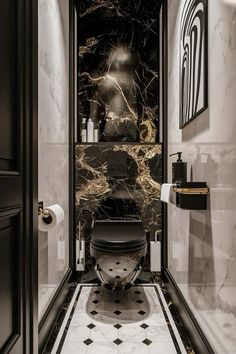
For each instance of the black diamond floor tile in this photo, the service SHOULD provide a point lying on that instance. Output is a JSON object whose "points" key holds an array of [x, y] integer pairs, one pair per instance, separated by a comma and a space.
{"points": [[117, 312], [139, 301], [93, 313], [147, 341], [117, 326], [144, 325], [96, 301], [88, 341], [118, 341], [142, 312], [145, 344], [91, 326]]}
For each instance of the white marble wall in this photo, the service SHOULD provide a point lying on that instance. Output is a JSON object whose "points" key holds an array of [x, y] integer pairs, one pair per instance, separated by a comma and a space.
{"points": [[202, 244], [53, 57]]}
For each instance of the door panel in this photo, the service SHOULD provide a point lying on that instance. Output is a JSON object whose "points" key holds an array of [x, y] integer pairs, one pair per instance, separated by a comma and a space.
{"points": [[10, 275], [10, 190], [8, 85], [14, 191]]}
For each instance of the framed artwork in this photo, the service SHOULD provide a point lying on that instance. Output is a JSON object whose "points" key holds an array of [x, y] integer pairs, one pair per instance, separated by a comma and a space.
{"points": [[193, 61]]}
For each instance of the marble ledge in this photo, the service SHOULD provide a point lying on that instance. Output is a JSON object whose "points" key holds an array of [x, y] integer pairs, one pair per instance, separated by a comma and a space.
{"points": [[118, 143]]}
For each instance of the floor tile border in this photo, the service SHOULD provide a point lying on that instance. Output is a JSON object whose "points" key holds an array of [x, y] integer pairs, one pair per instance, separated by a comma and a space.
{"points": [[67, 319], [168, 317]]}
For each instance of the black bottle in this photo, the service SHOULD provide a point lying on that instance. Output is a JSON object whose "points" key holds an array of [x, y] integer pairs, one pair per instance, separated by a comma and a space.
{"points": [[179, 170]]}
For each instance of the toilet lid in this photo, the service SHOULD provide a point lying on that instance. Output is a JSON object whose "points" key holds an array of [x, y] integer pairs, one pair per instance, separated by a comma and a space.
{"points": [[118, 236]]}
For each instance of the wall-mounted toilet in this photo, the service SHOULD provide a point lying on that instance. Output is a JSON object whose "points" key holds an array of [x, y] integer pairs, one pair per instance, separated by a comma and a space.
{"points": [[118, 250]]}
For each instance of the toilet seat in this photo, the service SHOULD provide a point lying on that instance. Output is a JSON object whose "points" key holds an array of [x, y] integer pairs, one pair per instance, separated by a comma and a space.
{"points": [[118, 236]]}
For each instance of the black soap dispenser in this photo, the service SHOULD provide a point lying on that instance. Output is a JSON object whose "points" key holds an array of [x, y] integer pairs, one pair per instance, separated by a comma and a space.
{"points": [[179, 170]]}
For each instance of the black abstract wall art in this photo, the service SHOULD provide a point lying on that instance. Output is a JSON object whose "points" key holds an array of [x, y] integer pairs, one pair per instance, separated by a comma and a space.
{"points": [[193, 60]]}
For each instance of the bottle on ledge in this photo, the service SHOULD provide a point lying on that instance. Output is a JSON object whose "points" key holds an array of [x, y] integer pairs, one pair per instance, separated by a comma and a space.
{"points": [[90, 131], [83, 131]]}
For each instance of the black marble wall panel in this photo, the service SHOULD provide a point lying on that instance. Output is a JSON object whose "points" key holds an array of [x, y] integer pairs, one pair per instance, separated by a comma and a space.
{"points": [[118, 62], [117, 181]]}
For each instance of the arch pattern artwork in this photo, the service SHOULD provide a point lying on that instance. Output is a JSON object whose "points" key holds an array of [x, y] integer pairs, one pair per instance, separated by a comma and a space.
{"points": [[193, 60]]}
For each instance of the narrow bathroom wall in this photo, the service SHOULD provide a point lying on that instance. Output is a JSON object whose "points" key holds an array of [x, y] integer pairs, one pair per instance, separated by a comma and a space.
{"points": [[118, 64], [53, 179], [202, 244]]}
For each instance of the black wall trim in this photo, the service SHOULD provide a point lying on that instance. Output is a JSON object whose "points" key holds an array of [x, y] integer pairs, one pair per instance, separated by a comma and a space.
{"points": [[29, 131], [69, 321], [194, 331], [164, 251], [33, 171], [53, 311], [71, 136], [73, 90]]}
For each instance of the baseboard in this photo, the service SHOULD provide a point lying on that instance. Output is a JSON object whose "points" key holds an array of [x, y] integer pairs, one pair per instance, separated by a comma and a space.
{"points": [[49, 319], [194, 331]]}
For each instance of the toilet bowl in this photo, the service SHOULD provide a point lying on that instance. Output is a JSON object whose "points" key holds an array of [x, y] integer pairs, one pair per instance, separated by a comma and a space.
{"points": [[118, 250]]}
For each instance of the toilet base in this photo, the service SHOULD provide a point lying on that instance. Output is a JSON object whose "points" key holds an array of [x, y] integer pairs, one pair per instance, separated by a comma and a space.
{"points": [[118, 284], [118, 271]]}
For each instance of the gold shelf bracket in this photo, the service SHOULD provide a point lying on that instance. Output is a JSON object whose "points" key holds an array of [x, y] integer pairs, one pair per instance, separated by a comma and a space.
{"points": [[192, 191]]}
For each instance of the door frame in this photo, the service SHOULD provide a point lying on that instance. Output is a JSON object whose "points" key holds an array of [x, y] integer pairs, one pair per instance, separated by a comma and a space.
{"points": [[29, 98]]}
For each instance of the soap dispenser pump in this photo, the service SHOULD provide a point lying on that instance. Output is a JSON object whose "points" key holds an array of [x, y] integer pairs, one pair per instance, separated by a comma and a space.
{"points": [[179, 170]]}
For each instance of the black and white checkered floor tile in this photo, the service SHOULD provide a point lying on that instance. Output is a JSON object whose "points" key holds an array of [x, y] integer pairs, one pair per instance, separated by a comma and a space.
{"points": [[133, 321]]}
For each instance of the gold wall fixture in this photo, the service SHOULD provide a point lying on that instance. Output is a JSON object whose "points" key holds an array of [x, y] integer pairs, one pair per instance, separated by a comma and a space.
{"points": [[198, 191]]}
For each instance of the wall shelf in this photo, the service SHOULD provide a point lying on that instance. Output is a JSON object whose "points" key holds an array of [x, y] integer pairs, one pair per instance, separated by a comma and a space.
{"points": [[191, 191], [191, 195], [117, 143]]}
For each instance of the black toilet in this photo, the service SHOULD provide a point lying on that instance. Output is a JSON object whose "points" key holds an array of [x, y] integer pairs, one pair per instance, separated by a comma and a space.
{"points": [[118, 249]]}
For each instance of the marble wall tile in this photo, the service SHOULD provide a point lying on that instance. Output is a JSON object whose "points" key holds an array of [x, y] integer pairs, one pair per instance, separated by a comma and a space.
{"points": [[103, 196], [53, 158], [118, 68], [53, 58], [202, 246]]}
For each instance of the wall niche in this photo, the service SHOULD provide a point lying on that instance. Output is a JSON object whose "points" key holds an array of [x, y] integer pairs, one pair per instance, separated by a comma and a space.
{"points": [[118, 64]]}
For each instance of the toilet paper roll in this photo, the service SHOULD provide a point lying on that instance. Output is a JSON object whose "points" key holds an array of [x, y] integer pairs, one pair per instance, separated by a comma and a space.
{"points": [[57, 215]]}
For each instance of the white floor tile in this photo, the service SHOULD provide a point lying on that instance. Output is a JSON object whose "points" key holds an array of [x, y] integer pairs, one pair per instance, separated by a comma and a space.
{"points": [[103, 334], [78, 334], [133, 348], [138, 306], [158, 334], [132, 334], [81, 318], [74, 348], [162, 348], [102, 348]]}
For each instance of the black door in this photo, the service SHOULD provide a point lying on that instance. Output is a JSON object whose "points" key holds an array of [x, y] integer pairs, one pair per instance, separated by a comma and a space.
{"points": [[17, 186]]}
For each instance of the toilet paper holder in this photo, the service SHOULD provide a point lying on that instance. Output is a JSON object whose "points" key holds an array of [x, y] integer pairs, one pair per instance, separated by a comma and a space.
{"points": [[46, 215], [50, 216]]}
